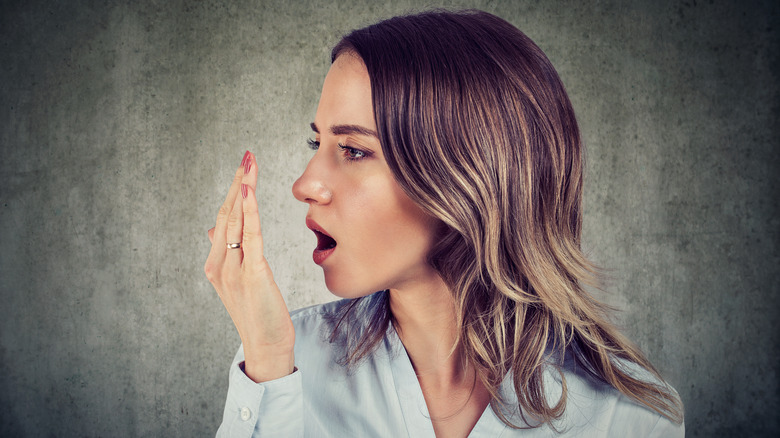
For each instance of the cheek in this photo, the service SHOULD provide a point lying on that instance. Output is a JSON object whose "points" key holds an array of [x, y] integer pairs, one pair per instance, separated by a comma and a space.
{"points": [[397, 231], [387, 242]]}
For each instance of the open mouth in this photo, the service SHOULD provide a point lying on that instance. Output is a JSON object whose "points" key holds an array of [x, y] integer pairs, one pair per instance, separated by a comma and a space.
{"points": [[324, 242]]}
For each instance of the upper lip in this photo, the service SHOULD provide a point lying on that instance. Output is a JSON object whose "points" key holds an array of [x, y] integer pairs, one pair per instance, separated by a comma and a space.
{"points": [[314, 226]]}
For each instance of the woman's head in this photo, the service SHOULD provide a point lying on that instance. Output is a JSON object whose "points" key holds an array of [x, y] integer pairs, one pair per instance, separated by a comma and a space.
{"points": [[478, 130]]}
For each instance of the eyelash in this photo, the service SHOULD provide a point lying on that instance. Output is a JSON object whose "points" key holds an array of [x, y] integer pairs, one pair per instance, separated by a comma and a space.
{"points": [[349, 151]]}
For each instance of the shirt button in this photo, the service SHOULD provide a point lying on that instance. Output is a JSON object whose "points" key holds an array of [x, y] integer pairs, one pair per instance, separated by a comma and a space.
{"points": [[246, 414]]}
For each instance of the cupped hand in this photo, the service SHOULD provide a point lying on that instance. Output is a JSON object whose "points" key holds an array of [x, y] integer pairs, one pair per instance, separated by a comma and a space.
{"points": [[245, 283]]}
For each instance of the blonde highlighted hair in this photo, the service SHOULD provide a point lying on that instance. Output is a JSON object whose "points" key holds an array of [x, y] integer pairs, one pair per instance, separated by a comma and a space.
{"points": [[478, 130]]}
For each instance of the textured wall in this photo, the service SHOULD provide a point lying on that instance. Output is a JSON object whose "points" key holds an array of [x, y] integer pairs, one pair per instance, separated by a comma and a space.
{"points": [[122, 122]]}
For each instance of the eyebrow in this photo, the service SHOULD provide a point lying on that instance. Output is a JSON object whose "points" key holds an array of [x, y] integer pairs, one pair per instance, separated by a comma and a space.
{"points": [[346, 130]]}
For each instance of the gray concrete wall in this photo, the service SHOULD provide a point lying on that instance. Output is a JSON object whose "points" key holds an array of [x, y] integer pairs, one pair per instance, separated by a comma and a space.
{"points": [[121, 124]]}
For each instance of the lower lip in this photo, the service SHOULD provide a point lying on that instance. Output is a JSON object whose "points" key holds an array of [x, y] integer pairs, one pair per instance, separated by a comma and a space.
{"points": [[320, 255]]}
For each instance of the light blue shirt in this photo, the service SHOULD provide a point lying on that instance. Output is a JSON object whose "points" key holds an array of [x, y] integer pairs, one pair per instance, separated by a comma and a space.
{"points": [[382, 397]]}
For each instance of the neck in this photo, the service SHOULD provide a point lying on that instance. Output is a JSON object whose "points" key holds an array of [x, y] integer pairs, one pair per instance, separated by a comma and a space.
{"points": [[424, 317]]}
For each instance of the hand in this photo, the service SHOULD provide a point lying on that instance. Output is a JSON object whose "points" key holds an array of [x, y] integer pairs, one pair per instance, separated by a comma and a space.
{"points": [[245, 283]]}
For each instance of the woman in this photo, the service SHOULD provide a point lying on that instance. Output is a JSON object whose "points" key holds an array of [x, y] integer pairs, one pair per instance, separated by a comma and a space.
{"points": [[448, 176]]}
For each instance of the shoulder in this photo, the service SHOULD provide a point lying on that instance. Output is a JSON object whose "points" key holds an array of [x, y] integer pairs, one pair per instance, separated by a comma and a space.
{"points": [[314, 347], [315, 320], [347, 316], [596, 409], [330, 333]]}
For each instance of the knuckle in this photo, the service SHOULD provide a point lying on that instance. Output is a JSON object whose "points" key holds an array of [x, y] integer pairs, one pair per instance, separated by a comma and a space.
{"points": [[250, 234], [224, 211], [234, 219], [211, 272]]}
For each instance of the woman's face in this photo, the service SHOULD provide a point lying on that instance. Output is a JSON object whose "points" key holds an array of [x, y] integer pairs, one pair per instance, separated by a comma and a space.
{"points": [[370, 235]]}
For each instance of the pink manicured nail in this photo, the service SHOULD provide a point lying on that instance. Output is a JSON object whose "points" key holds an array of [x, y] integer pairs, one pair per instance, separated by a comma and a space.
{"points": [[247, 162], [244, 190]]}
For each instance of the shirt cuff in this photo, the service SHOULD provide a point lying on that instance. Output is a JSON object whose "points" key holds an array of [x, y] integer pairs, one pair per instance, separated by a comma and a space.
{"points": [[273, 408]]}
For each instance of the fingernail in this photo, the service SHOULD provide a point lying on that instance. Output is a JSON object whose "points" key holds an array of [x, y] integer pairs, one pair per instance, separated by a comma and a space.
{"points": [[244, 190], [245, 161]]}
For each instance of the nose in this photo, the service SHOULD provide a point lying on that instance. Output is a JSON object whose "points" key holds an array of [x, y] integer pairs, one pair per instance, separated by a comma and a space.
{"points": [[311, 187]]}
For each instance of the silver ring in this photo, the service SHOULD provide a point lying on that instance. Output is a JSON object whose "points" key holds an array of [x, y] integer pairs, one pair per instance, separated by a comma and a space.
{"points": [[234, 245]]}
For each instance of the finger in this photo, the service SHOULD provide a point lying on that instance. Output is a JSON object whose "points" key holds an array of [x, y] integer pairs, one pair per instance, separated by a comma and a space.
{"points": [[235, 227], [218, 243], [250, 176], [211, 235], [249, 184], [252, 240], [252, 236]]}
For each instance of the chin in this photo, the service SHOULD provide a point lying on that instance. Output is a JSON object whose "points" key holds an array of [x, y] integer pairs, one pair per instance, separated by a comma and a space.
{"points": [[345, 287]]}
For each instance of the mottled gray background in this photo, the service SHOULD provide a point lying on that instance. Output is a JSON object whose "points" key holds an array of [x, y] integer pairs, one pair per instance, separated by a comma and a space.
{"points": [[121, 124]]}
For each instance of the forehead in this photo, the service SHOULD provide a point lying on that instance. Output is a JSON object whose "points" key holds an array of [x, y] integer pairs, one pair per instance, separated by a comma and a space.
{"points": [[346, 95]]}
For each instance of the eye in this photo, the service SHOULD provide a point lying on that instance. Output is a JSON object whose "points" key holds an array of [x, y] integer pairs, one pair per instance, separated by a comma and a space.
{"points": [[353, 154], [313, 144]]}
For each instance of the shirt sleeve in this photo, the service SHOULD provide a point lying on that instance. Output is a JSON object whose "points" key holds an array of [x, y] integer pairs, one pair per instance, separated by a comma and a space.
{"points": [[268, 409]]}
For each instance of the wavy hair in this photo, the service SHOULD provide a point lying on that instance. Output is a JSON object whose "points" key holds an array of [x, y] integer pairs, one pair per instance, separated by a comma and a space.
{"points": [[478, 130]]}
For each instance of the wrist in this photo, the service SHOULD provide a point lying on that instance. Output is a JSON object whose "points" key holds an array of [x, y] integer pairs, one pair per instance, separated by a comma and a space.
{"points": [[264, 368]]}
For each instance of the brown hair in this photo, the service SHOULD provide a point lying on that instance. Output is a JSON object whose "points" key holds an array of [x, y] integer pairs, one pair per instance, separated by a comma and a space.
{"points": [[478, 130]]}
